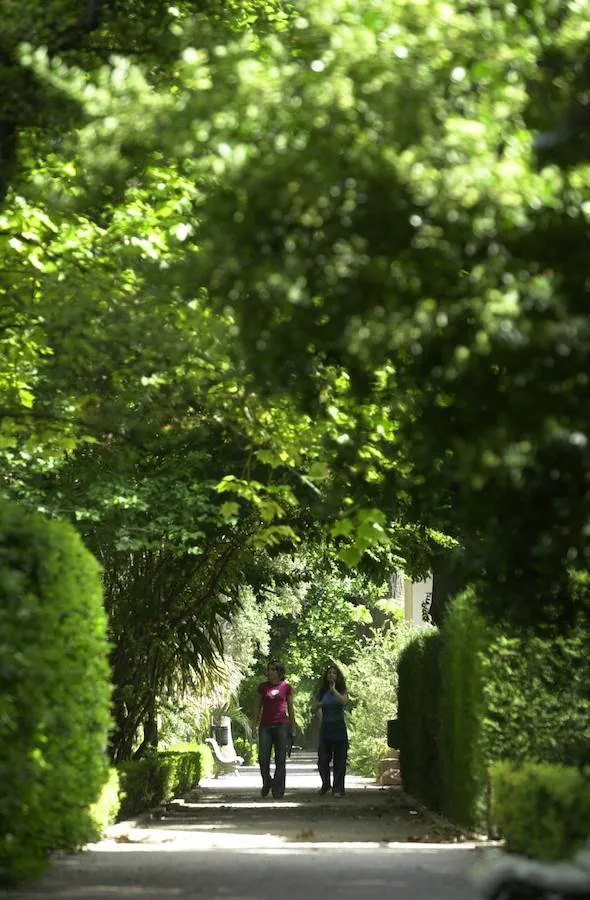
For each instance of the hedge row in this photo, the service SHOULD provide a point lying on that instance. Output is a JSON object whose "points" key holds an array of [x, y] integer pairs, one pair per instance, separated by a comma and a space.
{"points": [[470, 696], [105, 810], [541, 809], [149, 782], [54, 691], [419, 679], [463, 782], [55, 703], [139, 785]]}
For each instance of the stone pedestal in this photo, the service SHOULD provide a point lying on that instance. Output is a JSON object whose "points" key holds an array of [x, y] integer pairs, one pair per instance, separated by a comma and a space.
{"points": [[388, 772]]}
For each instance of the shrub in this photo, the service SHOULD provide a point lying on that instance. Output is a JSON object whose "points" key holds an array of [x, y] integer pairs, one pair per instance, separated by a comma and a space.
{"points": [[106, 809], [541, 809], [419, 716], [463, 773], [157, 778], [141, 785], [514, 697], [54, 691], [537, 701], [247, 750], [182, 772], [207, 763]]}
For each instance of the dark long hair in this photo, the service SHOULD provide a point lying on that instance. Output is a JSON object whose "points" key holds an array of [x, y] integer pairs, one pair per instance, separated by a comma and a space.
{"points": [[340, 683], [278, 666]]}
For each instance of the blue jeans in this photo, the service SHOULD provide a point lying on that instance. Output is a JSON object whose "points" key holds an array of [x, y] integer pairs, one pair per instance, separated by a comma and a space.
{"points": [[335, 753], [276, 736]]}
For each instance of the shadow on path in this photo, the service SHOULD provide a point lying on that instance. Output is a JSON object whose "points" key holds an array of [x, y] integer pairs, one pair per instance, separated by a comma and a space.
{"points": [[230, 811], [224, 840]]}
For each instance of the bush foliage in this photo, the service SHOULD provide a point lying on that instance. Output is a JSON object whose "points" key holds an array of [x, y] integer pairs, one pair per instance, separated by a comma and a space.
{"points": [[156, 778], [247, 750], [475, 695], [537, 697], [462, 766], [54, 691], [207, 765], [541, 809], [106, 809], [420, 690]]}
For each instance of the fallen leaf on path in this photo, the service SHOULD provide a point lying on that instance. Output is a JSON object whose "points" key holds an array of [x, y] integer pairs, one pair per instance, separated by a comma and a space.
{"points": [[125, 839]]}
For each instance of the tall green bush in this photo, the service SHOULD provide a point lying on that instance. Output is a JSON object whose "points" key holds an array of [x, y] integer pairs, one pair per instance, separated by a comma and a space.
{"points": [[248, 750], [419, 716], [537, 697], [157, 778], [463, 776], [207, 764], [183, 771], [490, 696], [54, 691], [541, 809], [106, 809], [141, 785]]}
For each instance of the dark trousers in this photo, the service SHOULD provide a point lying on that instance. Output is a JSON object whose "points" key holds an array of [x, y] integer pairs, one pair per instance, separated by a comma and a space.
{"points": [[276, 736], [333, 753]]}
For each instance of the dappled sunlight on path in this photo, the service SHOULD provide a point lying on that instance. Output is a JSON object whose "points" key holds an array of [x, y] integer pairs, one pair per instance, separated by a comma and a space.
{"points": [[228, 811], [223, 840]]}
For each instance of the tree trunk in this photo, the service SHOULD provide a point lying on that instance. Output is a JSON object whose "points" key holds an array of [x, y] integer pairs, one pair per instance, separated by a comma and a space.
{"points": [[127, 722], [150, 731]]}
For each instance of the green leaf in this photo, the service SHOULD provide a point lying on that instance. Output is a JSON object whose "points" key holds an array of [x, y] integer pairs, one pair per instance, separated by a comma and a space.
{"points": [[229, 510]]}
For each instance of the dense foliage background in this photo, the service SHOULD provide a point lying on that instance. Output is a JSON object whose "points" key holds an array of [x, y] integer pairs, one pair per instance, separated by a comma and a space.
{"points": [[292, 298]]}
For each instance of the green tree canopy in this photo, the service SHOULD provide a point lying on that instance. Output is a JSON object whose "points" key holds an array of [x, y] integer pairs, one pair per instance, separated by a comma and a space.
{"points": [[393, 201], [386, 206]]}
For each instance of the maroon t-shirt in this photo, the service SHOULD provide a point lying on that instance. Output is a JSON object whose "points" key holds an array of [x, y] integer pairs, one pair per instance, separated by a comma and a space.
{"points": [[274, 702]]}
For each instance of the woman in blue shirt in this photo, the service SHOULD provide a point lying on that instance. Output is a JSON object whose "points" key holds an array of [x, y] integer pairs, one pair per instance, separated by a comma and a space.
{"points": [[332, 697]]}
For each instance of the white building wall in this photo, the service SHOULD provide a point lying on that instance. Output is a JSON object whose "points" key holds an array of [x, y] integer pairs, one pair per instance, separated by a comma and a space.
{"points": [[416, 594]]}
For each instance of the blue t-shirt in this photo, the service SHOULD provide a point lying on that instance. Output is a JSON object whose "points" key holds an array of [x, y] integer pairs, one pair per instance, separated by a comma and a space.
{"points": [[333, 722]]}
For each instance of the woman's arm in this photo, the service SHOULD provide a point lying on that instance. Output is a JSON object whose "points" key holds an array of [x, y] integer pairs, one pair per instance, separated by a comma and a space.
{"points": [[342, 698]]}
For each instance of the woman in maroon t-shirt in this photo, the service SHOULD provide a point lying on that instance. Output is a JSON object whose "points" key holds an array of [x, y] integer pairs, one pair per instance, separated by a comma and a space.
{"points": [[275, 720]]}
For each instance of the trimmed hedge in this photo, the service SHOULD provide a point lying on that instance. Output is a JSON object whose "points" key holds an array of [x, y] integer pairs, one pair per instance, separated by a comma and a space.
{"points": [[541, 809], [537, 697], [106, 809], [489, 696], [462, 765], [157, 778], [54, 691], [419, 690], [207, 760]]}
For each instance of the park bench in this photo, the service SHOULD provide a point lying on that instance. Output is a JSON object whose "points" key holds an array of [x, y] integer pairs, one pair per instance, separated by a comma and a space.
{"points": [[225, 763]]}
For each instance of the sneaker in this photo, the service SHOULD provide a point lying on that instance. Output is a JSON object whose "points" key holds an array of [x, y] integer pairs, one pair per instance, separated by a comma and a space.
{"points": [[278, 796], [323, 790], [265, 790], [338, 793]]}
